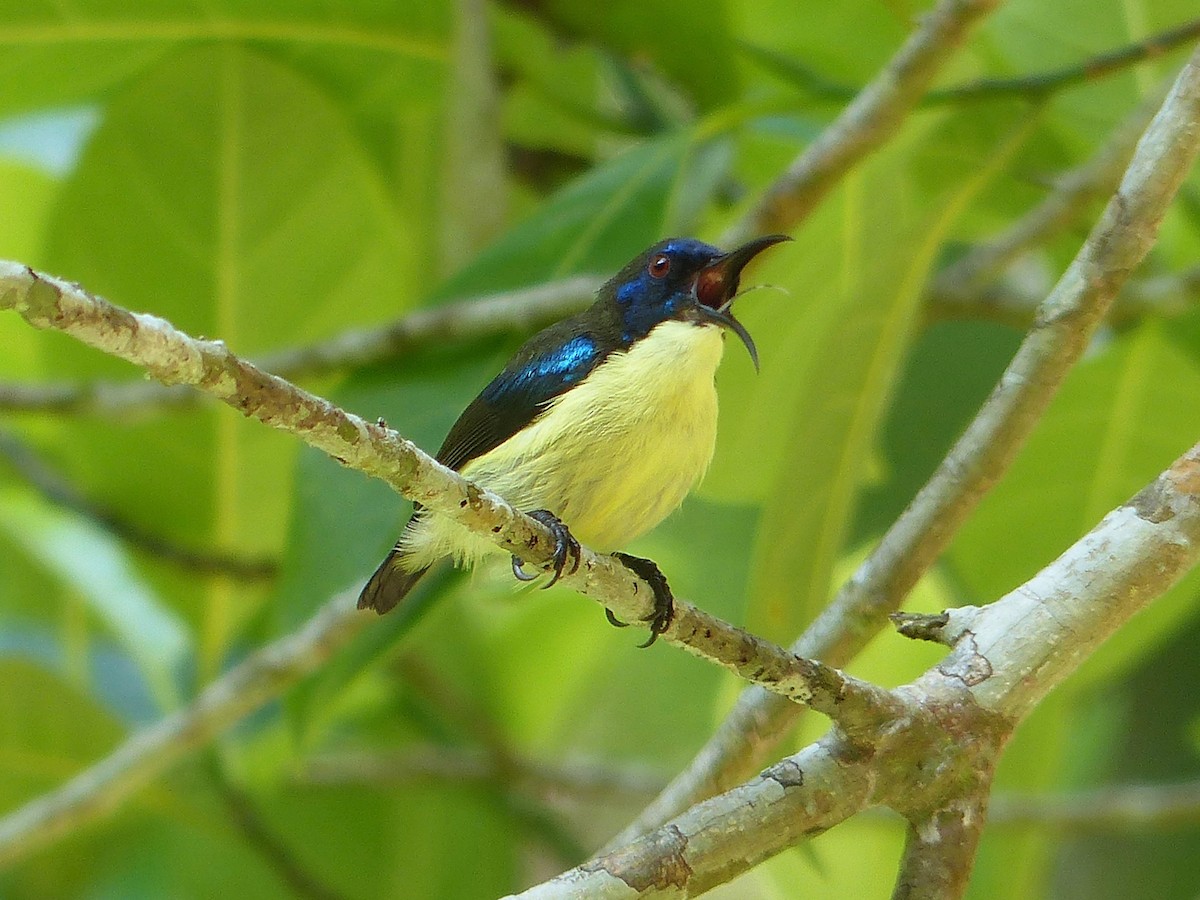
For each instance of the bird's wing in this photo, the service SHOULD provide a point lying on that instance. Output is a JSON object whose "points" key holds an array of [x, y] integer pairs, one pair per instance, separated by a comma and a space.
{"points": [[548, 365]]}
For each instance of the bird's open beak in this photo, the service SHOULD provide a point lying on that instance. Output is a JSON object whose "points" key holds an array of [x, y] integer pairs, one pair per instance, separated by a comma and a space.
{"points": [[717, 285]]}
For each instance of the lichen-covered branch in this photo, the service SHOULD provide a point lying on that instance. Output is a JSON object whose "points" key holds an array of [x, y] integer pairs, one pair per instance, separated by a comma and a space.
{"points": [[1064, 325]]}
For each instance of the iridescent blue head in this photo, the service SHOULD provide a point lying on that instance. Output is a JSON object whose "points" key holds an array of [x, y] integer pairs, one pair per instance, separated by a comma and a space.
{"points": [[684, 280]]}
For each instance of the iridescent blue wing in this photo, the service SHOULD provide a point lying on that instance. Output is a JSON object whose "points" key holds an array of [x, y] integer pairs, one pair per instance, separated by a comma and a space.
{"points": [[547, 365]]}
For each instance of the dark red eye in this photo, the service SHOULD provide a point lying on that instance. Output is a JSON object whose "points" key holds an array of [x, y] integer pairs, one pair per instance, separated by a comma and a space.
{"points": [[659, 266]]}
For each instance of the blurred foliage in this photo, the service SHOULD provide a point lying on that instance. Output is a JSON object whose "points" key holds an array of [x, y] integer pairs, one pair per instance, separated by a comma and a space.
{"points": [[269, 173]]}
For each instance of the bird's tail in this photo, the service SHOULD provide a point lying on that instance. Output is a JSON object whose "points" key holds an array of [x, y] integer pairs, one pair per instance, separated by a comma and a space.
{"points": [[390, 584]]}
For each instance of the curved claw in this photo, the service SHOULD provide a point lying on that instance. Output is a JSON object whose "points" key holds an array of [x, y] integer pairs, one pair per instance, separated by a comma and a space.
{"points": [[664, 601], [564, 545], [613, 620], [518, 572]]}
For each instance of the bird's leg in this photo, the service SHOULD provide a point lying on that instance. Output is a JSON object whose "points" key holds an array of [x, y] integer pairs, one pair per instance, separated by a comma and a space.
{"points": [[664, 600], [564, 545]]}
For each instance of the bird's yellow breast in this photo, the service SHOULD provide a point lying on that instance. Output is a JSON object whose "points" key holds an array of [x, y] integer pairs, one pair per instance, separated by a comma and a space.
{"points": [[613, 456]]}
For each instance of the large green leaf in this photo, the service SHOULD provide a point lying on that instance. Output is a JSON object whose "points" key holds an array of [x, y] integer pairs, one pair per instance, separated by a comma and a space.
{"points": [[223, 192], [96, 567], [48, 731], [1119, 420], [801, 439], [67, 53], [689, 40]]}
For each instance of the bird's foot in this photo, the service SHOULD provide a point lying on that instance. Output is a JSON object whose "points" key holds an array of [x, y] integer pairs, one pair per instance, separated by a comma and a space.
{"points": [[564, 545], [664, 600]]}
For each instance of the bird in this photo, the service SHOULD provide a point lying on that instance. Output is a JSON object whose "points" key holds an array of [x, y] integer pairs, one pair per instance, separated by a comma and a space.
{"points": [[598, 426]]}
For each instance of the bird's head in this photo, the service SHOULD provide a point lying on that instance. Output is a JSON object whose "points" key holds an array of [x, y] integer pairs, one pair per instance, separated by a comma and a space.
{"points": [[685, 280]]}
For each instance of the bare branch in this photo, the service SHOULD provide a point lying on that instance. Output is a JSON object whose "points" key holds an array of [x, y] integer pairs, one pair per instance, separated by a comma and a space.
{"points": [[874, 115], [516, 312], [1119, 807], [1064, 324], [1033, 87], [1073, 194], [710, 843], [105, 786]]}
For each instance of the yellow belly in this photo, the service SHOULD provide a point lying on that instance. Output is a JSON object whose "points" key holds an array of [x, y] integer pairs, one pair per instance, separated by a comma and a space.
{"points": [[612, 457]]}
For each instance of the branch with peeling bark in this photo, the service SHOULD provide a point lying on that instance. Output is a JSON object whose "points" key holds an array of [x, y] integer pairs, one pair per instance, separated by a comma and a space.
{"points": [[934, 763], [1065, 321]]}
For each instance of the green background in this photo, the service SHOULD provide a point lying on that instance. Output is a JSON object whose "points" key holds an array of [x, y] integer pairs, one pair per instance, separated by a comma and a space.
{"points": [[270, 173]]}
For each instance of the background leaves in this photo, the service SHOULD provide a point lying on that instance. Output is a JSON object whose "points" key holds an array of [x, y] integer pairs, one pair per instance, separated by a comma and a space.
{"points": [[269, 173]]}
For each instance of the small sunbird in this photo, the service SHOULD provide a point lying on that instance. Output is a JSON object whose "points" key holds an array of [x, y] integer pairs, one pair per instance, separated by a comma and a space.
{"points": [[599, 425]]}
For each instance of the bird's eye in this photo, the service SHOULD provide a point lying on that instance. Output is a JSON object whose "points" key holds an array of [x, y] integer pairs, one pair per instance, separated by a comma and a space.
{"points": [[659, 266]]}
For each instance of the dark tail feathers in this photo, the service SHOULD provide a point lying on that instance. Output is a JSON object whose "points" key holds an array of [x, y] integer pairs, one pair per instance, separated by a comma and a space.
{"points": [[389, 585]]}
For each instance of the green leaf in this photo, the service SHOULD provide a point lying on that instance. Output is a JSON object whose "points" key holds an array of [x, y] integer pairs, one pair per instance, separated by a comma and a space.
{"points": [[1121, 418], [48, 731], [595, 224], [810, 423], [688, 39], [97, 568], [223, 192]]}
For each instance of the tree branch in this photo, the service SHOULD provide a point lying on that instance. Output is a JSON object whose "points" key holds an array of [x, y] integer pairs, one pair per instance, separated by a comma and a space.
{"points": [[1130, 806], [874, 115], [801, 796], [935, 763], [176, 358], [1064, 324], [964, 280], [1036, 86], [99, 790], [519, 311], [939, 851]]}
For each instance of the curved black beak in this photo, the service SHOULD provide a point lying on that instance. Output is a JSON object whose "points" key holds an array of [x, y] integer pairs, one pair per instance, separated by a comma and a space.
{"points": [[717, 285]]}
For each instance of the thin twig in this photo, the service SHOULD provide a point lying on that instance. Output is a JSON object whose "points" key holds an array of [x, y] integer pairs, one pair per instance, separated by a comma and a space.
{"points": [[512, 312], [55, 488], [1064, 324], [964, 280], [1034, 87], [1038, 85], [874, 115], [1118, 807], [269, 845], [581, 779], [100, 789]]}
